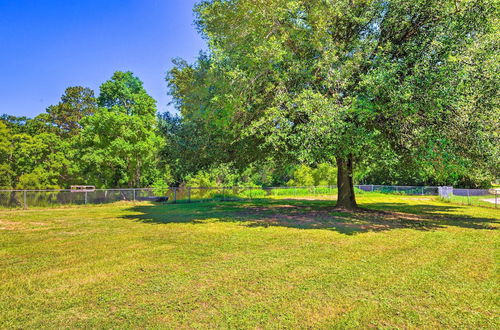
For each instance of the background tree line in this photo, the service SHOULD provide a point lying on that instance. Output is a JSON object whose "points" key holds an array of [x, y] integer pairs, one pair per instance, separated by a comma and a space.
{"points": [[110, 140], [401, 92]]}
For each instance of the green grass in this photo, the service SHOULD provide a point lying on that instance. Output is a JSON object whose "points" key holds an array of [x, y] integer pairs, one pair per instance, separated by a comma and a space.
{"points": [[477, 200], [418, 263]]}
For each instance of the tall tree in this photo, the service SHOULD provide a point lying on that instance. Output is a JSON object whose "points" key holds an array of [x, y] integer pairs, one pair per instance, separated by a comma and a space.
{"points": [[125, 93], [76, 103], [119, 143], [316, 79], [6, 173]]}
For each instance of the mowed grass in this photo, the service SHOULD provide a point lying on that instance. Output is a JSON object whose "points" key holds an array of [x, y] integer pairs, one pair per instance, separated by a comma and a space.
{"points": [[413, 263], [486, 201]]}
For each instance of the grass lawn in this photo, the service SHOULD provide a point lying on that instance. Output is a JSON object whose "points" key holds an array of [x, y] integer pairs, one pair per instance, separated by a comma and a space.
{"points": [[413, 262], [487, 200]]}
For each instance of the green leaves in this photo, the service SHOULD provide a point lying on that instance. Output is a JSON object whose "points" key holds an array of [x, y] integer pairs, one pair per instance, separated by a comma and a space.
{"points": [[6, 173], [312, 80], [76, 142], [125, 93], [119, 145], [76, 103], [305, 176]]}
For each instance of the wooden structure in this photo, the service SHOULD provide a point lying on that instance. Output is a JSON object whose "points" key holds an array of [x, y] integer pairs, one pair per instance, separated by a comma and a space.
{"points": [[82, 188]]}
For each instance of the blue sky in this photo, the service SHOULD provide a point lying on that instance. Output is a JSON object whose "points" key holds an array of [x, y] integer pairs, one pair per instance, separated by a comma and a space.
{"points": [[48, 45]]}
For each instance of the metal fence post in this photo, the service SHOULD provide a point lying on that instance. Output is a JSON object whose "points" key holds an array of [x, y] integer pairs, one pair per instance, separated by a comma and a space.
{"points": [[86, 198], [134, 194], [468, 197], [189, 194], [175, 195], [25, 204]]}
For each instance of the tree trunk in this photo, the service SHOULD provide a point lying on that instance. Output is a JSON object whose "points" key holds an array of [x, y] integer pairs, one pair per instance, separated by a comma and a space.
{"points": [[346, 199]]}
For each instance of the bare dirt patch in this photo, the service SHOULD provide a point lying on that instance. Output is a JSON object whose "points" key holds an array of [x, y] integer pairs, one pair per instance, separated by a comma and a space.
{"points": [[11, 225]]}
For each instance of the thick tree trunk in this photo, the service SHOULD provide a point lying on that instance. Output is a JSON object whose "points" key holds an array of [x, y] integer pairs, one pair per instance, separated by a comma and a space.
{"points": [[346, 199]]}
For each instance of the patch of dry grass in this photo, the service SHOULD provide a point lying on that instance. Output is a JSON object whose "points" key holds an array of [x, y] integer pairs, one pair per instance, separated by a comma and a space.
{"points": [[404, 262]]}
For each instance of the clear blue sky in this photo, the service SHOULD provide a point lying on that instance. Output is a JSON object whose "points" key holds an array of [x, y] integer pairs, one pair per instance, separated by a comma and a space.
{"points": [[48, 45]]}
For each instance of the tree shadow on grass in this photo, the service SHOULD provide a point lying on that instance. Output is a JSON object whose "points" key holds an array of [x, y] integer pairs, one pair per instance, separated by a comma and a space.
{"points": [[306, 214]]}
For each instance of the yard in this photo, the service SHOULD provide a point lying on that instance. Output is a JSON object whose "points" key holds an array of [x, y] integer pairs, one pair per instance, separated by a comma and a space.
{"points": [[409, 262]]}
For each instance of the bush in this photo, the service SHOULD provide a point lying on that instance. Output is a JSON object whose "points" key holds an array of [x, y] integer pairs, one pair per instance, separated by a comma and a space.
{"points": [[302, 176], [305, 176]]}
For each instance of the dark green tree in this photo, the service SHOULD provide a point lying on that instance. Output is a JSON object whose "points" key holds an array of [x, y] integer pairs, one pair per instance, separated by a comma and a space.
{"points": [[6, 173], [36, 156], [320, 80], [76, 103], [119, 144], [14, 124], [125, 93]]}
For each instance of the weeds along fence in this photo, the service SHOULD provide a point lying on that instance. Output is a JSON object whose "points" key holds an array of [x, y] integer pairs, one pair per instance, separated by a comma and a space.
{"points": [[53, 198]]}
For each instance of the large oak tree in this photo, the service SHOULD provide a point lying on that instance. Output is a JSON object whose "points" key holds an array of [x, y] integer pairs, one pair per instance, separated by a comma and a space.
{"points": [[351, 79]]}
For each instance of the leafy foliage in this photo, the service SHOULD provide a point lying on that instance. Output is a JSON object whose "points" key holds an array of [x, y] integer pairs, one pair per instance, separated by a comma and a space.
{"points": [[393, 91], [76, 103], [5, 157], [119, 143], [315, 80], [305, 176], [111, 141]]}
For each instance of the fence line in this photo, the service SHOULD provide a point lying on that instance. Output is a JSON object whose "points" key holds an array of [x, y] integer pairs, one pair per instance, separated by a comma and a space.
{"points": [[18, 198]]}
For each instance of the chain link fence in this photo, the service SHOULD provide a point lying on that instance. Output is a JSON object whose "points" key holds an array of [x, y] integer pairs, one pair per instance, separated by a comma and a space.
{"points": [[54, 198], [51, 198], [401, 190], [478, 197]]}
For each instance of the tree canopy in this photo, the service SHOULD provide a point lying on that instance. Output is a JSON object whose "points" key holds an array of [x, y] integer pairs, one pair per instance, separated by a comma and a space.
{"points": [[350, 79], [109, 141], [119, 143], [76, 103]]}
